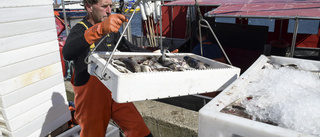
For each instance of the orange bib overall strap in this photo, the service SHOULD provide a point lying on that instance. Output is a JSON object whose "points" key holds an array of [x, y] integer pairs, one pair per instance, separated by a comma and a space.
{"points": [[91, 46], [95, 107]]}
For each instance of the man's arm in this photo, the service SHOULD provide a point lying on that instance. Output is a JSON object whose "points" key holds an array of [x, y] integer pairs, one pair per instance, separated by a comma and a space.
{"points": [[80, 39], [111, 24], [75, 44]]}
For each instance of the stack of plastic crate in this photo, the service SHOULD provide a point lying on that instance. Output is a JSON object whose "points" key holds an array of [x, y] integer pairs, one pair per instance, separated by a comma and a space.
{"points": [[32, 91]]}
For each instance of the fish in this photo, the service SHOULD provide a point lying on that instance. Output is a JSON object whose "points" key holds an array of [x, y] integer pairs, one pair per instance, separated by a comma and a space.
{"points": [[158, 66], [290, 65], [185, 65], [182, 63], [192, 62], [131, 64], [146, 68], [165, 61], [150, 60], [155, 65], [238, 109], [120, 66], [294, 66], [152, 63], [170, 63], [118, 62]]}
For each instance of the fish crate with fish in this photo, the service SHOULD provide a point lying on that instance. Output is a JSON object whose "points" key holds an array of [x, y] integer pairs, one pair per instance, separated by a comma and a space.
{"points": [[276, 96], [136, 76]]}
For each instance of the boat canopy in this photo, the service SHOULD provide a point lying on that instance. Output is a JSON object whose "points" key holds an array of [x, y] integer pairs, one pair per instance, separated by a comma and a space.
{"points": [[284, 9]]}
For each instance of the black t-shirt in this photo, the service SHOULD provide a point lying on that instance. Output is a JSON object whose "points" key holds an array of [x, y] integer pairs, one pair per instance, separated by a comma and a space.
{"points": [[76, 48]]}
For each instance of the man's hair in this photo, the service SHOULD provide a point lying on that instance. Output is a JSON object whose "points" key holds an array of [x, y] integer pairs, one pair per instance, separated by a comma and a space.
{"points": [[84, 2], [203, 32]]}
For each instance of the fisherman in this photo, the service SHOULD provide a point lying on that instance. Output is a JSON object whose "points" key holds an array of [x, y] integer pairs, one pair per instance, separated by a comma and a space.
{"points": [[93, 103], [209, 49]]}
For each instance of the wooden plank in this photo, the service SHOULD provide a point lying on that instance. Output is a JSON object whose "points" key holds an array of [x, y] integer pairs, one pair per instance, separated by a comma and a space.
{"points": [[22, 54], [57, 105], [26, 26], [23, 106], [14, 70], [27, 39], [25, 13], [23, 3]]}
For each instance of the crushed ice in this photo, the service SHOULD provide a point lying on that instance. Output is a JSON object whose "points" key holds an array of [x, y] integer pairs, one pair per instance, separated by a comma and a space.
{"points": [[286, 96]]}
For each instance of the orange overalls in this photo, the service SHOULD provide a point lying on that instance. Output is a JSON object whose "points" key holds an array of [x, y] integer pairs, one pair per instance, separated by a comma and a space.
{"points": [[94, 108]]}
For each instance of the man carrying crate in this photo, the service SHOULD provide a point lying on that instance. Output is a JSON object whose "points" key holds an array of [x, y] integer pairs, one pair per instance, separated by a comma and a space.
{"points": [[93, 102]]}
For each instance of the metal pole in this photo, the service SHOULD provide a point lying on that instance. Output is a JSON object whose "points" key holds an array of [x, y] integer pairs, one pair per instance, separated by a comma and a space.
{"points": [[162, 50], [281, 25], [65, 17], [208, 26], [294, 37], [200, 38], [171, 25], [129, 33], [142, 35]]}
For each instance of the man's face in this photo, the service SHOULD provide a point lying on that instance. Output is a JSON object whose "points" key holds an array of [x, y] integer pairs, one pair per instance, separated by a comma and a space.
{"points": [[101, 10]]}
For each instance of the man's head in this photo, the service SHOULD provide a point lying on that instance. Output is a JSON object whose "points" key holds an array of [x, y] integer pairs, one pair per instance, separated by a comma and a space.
{"points": [[97, 10], [204, 34]]}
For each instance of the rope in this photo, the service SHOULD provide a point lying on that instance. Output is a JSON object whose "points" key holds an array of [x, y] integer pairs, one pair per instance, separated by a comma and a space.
{"points": [[197, 6], [61, 21]]}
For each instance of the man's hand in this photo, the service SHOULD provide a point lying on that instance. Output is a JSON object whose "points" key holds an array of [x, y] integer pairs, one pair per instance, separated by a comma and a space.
{"points": [[113, 23], [110, 24]]}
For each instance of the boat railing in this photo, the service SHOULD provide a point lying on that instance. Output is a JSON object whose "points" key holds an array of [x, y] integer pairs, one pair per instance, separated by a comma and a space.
{"points": [[208, 26]]}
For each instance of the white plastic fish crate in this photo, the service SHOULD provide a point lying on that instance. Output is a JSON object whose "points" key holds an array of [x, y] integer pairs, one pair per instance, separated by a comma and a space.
{"points": [[213, 123], [128, 87], [112, 131]]}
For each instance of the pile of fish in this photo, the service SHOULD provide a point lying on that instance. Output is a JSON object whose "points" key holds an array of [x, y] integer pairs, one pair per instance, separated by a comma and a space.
{"points": [[153, 64]]}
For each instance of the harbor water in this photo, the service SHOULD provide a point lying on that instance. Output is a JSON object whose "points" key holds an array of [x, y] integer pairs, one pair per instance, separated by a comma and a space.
{"points": [[135, 24]]}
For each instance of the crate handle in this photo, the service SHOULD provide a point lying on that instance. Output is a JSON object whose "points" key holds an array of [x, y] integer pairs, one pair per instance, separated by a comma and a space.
{"points": [[115, 48], [103, 76]]}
